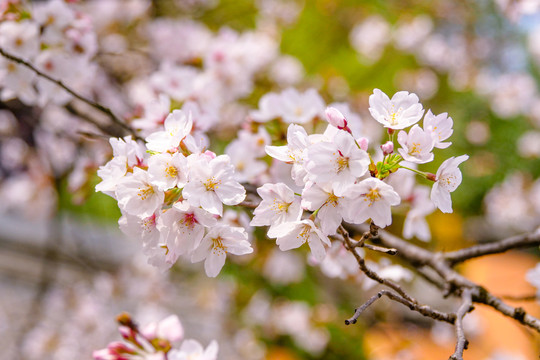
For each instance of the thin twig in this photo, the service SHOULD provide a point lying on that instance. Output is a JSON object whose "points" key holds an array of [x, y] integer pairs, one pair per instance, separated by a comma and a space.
{"points": [[532, 297], [515, 242], [422, 309], [454, 281], [370, 273], [92, 103], [361, 309], [462, 343], [388, 251]]}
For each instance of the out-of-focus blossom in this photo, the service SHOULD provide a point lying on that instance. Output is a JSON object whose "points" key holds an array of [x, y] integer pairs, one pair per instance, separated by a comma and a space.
{"points": [[370, 37]]}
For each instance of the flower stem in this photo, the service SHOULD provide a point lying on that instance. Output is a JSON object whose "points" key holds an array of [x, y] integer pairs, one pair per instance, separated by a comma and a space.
{"points": [[421, 173]]}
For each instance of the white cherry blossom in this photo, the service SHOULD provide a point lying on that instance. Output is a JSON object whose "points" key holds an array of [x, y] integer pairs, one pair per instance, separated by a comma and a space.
{"points": [[143, 229], [170, 329], [291, 235], [137, 195], [278, 205], [371, 198], [133, 151], [447, 180], [416, 145], [268, 108], [177, 126], [211, 184], [111, 174], [331, 207], [293, 152], [402, 111], [290, 105], [168, 170], [440, 128], [339, 161], [20, 38], [247, 167], [182, 229], [415, 222], [193, 350], [219, 241]]}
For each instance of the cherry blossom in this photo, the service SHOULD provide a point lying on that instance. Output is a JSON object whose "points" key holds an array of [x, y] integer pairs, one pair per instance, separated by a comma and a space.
{"points": [[177, 126], [291, 235], [290, 105], [293, 152], [339, 161], [415, 222], [182, 228], [193, 350], [219, 241], [447, 180], [416, 145], [331, 208], [279, 204], [211, 184], [168, 170], [137, 195], [371, 198], [402, 111], [440, 128]]}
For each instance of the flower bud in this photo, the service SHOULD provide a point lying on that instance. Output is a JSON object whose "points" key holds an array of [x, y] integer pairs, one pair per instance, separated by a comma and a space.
{"points": [[335, 118], [387, 148], [363, 142]]}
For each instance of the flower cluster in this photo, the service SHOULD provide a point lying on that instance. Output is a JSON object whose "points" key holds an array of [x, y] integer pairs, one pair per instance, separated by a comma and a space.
{"points": [[338, 180], [171, 193], [68, 40], [155, 341]]}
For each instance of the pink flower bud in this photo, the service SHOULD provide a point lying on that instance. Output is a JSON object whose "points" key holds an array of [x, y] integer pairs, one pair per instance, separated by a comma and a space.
{"points": [[335, 118], [387, 148], [363, 142], [126, 332], [118, 347], [209, 154]]}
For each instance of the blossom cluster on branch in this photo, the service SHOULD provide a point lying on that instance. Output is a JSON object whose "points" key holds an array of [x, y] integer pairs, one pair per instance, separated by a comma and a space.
{"points": [[195, 164]]}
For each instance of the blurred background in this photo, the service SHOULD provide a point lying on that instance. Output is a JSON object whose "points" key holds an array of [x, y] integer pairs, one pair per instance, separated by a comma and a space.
{"points": [[66, 270]]}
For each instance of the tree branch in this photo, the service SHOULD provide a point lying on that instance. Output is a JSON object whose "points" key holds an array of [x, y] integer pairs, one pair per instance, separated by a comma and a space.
{"points": [[454, 282], [96, 105], [515, 242], [370, 273], [422, 309], [462, 343]]}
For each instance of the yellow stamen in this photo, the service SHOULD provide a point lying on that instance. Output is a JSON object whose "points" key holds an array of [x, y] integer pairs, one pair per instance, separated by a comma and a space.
{"points": [[415, 149], [304, 234], [144, 193], [280, 207], [171, 171], [332, 200], [212, 184], [372, 196], [218, 246], [342, 163]]}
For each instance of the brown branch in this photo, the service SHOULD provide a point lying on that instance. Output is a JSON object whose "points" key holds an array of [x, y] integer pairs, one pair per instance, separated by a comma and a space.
{"points": [[462, 343], [515, 242], [532, 297], [388, 251], [370, 273], [110, 130], [454, 282], [422, 309], [96, 105]]}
